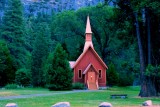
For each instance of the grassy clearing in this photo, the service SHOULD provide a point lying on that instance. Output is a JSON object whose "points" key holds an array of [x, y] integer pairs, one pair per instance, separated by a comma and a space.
{"points": [[22, 91], [82, 99]]}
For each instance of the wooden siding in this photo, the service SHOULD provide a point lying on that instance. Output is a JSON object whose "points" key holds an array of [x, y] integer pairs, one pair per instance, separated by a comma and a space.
{"points": [[89, 57]]}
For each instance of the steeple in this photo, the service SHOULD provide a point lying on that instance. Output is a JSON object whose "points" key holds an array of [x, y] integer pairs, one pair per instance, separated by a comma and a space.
{"points": [[88, 41], [88, 26]]}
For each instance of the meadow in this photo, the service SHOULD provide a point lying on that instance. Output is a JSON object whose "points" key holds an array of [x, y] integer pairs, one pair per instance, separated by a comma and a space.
{"points": [[83, 98]]}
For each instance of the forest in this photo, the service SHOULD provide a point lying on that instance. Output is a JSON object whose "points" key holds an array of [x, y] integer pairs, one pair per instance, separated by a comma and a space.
{"points": [[34, 49]]}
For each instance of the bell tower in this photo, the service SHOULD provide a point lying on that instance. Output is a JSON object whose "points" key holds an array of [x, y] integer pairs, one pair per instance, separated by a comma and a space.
{"points": [[88, 35]]}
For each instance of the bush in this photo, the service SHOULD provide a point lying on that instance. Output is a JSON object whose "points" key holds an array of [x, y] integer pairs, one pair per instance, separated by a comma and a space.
{"points": [[125, 80], [11, 86], [112, 75], [78, 85], [23, 77], [55, 87]]}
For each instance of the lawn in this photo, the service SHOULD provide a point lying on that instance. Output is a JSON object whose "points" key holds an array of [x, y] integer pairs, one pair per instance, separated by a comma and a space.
{"points": [[78, 99]]}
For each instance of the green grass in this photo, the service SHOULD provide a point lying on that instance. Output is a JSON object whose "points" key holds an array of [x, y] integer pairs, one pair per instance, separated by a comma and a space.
{"points": [[23, 91], [82, 99]]}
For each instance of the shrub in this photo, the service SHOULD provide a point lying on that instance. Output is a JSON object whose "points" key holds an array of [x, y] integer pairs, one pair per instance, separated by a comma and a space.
{"points": [[125, 80], [78, 85], [11, 86], [55, 87], [112, 75], [23, 77]]}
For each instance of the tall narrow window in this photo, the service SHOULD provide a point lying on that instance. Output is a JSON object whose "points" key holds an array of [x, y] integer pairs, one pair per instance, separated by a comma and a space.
{"points": [[100, 73], [79, 74]]}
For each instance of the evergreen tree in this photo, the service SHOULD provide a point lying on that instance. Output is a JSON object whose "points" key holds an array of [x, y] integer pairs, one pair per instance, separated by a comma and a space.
{"points": [[112, 75], [23, 77], [144, 15], [7, 72], [13, 32], [39, 53], [66, 28], [60, 75]]}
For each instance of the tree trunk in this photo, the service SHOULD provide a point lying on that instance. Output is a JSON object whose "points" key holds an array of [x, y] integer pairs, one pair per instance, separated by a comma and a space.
{"points": [[149, 38], [141, 55], [147, 83], [143, 91]]}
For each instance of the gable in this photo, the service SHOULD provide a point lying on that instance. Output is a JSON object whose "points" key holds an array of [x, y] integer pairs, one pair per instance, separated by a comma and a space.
{"points": [[88, 67], [90, 52], [71, 63]]}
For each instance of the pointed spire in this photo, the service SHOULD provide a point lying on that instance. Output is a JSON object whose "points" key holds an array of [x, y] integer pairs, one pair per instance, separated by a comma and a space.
{"points": [[88, 26], [88, 42]]}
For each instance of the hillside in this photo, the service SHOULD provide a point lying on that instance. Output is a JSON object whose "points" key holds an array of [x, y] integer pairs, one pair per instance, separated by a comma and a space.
{"points": [[32, 7]]}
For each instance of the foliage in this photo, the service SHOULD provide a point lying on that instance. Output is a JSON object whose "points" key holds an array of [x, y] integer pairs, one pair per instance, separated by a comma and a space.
{"points": [[112, 75], [66, 28], [7, 73], [11, 86], [78, 85], [143, 15], [29, 44], [47, 67], [39, 53], [60, 75], [152, 71], [23, 77], [102, 26], [111, 40], [13, 32], [125, 80]]}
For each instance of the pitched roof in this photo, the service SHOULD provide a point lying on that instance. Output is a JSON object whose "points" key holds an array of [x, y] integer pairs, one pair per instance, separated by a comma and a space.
{"points": [[88, 44], [87, 68], [94, 52], [71, 63]]}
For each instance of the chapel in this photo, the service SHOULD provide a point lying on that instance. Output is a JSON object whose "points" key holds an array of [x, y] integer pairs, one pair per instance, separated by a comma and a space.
{"points": [[89, 68]]}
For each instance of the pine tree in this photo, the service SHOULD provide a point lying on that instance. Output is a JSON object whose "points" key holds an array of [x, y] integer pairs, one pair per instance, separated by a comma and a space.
{"points": [[13, 32], [39, 53], [112, 75], [7, 72], [60, 75]]}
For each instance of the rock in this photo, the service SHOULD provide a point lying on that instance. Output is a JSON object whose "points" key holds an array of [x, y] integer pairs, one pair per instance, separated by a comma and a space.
{"points": [[11, 105], [105, 104], [147, 103], [61, 104]]}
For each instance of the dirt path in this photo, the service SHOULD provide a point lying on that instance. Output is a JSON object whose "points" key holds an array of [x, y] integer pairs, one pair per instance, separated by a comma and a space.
{"points": [[39, 95]]}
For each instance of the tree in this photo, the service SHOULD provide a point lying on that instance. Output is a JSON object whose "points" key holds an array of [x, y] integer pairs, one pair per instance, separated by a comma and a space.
{"points": [[23, 77], [142, 12], [39, 53], [110, 36], [112, 75], [13, 32], [60, 75], [7, 71], [67, 29]]}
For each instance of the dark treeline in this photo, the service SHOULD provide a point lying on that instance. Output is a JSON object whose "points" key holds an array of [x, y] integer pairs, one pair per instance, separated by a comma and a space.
{"points": [[34, 49]]}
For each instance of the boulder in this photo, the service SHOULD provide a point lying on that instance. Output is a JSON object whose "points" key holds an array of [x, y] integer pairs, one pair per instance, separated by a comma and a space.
{"points": [[61, 104], [147, 103], [11, 105], [105, 104]]}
